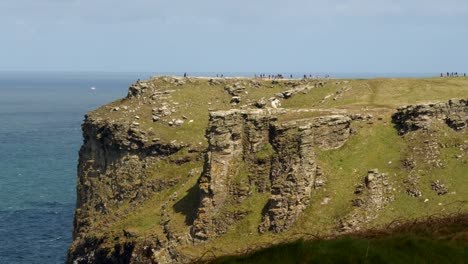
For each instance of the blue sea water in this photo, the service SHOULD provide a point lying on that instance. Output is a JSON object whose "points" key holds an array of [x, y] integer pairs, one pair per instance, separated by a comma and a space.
{"points": [[40, 135]]}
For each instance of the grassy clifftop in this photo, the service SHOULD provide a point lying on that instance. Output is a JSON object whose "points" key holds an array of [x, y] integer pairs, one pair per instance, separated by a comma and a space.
{"points": [[192, 98]]}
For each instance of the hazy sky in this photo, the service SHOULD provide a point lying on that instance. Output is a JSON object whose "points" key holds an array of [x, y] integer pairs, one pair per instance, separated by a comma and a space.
{"points": [[236, 35]]}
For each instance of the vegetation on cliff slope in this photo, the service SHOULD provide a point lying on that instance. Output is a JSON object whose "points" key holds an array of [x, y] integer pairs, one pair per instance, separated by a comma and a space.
{"points": [[178, 119]]}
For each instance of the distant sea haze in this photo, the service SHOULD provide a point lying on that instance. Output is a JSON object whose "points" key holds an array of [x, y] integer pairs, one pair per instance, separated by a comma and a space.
{"points": [[40, 135], [298, 75], [56, 76]]}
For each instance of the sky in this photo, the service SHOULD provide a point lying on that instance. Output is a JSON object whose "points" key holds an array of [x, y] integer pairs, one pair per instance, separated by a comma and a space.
{"points": [[413, 36]]}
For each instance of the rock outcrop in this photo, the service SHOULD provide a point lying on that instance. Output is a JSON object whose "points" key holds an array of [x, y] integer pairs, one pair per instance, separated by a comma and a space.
{"points": [[413, 117], [439, 187], [371, 196], [292, 176]]}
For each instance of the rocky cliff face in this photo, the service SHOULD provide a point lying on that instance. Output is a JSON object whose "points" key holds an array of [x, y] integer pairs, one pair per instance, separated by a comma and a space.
{"points": [[112, 169], [234, 137], [279, 157], [294, 172], [249, 153]]}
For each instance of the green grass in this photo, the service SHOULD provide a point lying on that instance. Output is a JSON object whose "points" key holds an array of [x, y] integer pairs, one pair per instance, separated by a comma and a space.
{"points": [[441, 242], [265, 153], [145, 219], [374, 146], [383, 93], [403, 249]]}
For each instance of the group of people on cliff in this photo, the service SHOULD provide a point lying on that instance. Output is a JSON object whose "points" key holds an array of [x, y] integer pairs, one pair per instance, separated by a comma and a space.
{"points": [[281, 76], [452, 74], [271, 76]]}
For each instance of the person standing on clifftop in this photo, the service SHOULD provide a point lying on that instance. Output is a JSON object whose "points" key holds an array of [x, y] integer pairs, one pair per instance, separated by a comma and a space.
{"points": [[185, 75]]}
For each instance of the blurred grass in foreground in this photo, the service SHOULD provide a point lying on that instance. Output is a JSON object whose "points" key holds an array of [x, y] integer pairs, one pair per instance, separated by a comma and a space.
{"points": [[434, 240]]}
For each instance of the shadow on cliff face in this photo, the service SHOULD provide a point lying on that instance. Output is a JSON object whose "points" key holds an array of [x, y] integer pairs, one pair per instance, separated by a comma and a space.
{"points": [[189, 204]]}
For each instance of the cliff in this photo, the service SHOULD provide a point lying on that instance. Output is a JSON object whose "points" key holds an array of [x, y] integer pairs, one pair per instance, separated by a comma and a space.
{"points": [[185, 166]]}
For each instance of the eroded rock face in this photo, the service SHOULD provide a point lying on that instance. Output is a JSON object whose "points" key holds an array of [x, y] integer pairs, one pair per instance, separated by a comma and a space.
{"points": [[413, 117], [279, 157], [151, 250], [112, 168], [292, 177], [234, 136], [294, 172], [331, 132]]}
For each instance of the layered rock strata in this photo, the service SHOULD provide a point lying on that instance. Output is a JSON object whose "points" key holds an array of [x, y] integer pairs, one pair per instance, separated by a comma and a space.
{"points": [[279, 157], [113, 162], [413, 117], [294, 170]]}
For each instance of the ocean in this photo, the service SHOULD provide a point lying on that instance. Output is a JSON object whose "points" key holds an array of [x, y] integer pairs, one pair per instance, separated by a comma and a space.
{"points": [[40, 135]]}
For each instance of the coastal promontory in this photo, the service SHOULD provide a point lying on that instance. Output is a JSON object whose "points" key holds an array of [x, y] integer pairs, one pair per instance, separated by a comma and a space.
{"points": [[189, 169]]}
